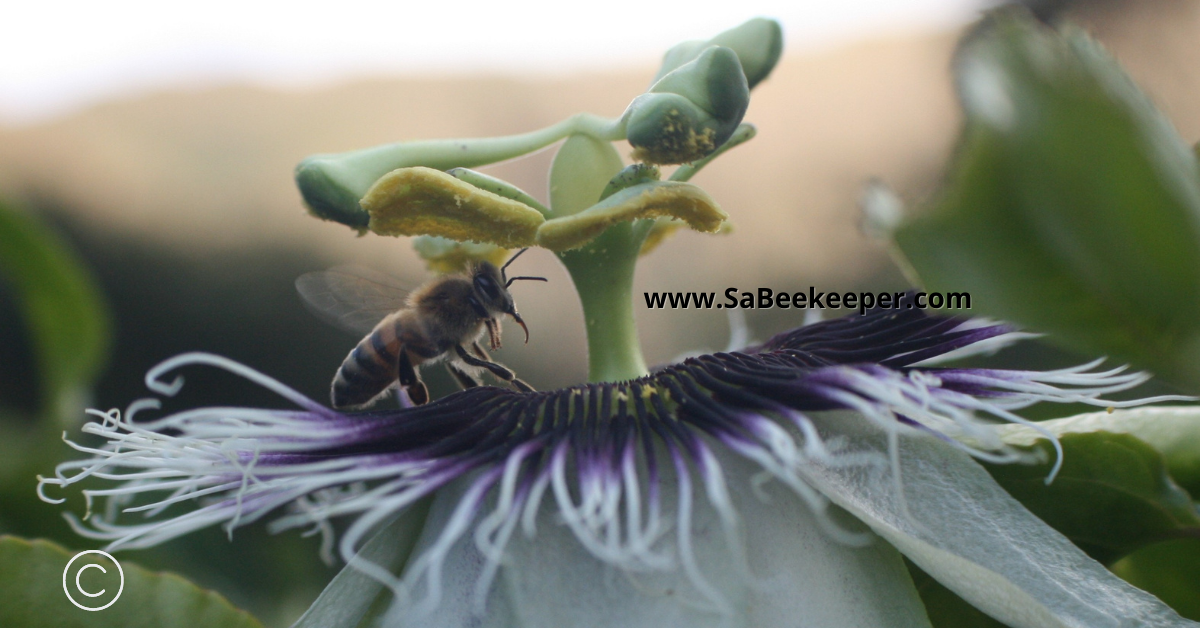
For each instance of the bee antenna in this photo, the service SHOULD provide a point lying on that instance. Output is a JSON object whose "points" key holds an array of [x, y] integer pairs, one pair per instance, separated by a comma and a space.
{"points": [[510, 261], [525, 278]]}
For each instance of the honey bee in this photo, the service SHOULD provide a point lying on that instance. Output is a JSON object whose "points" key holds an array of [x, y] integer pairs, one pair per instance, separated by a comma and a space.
{"points": [[442, 319]]}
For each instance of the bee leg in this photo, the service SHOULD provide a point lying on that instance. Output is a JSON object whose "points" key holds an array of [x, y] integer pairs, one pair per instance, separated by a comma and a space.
{"points": [[409, 379], [464, 379], [418, 393], [517, 382], [499, 370]]}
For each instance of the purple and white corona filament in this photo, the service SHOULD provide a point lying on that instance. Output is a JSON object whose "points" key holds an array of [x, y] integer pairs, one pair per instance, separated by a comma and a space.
{"points": [[623, 467]]}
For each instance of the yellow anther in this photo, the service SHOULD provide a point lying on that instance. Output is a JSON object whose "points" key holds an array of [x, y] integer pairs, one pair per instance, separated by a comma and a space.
{"points": [[424, 201], [443, 255], [665, 227], [651, 200]]}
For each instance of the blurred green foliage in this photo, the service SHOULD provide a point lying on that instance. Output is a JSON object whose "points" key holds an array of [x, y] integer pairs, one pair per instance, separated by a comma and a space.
{"points": [[65, 322], [1169, 570], [63, 311], [67, 330], [1073, 206], [166, 301]]}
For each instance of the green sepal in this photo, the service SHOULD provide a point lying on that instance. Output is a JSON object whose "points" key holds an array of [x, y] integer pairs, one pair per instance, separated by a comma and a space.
{"points": [[758, 43], [1112, 496], [1073, 207]]}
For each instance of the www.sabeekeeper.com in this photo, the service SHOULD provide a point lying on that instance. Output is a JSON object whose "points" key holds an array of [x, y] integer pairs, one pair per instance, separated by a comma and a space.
{"points": [[765, 298]]}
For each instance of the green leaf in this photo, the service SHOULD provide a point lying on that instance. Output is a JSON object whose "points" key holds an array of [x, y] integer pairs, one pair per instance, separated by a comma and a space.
{"points": [[31, 572], [1073, 207], [1174, 431], [64, 311], [1169, 570], [1112, 496]]}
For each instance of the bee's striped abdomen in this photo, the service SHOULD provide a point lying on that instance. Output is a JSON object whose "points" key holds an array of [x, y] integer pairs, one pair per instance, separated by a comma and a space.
{"points": [[368, 370]]}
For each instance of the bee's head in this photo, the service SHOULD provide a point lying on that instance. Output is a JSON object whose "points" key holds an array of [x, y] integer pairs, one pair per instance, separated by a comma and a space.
{"points": [[491, 289]]}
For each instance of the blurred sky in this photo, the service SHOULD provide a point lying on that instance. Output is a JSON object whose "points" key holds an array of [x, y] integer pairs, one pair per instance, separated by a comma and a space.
{"points": [[56, 57]]}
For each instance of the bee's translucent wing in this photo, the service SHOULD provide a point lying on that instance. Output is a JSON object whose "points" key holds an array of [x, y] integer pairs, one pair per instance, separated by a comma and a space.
{"points": [[351, 297]]}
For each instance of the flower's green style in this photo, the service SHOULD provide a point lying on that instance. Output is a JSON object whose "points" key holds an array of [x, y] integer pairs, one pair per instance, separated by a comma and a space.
{"points": [[779, 484]]}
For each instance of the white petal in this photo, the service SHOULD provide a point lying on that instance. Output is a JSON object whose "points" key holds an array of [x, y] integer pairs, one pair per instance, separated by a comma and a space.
{"points": [[460, 571], [349, 595], [958, 525], [1172, 430], [800, 576]]}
